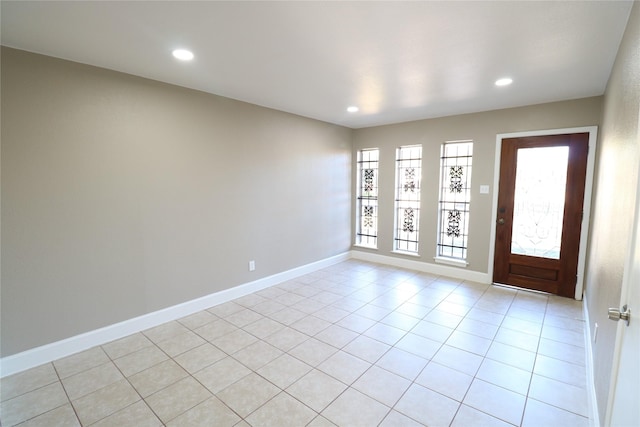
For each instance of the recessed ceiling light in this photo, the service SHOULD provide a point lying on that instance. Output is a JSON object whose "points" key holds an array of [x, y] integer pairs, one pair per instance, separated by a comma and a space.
{"points": [[183, 54], [353, 109], [506, 81]]}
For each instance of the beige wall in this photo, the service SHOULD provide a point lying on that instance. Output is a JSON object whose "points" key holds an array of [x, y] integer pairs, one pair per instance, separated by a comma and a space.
{"points": [[122, 196], [614, 201], [482, 128]]}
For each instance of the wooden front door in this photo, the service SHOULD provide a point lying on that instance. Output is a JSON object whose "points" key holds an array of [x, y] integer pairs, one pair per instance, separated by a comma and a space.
{"points": [[540, 201]]}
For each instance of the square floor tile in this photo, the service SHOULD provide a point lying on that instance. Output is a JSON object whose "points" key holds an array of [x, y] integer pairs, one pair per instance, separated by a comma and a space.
{"points": [[418, 345], [468, 416], [356, 323], [353, 408], [563, 335], [513, 356], [250, 300], [576, 325], [457, 359], [285, 339], [366, 348], [336, 336], [517, 339], [382, 385], [198, 319], [485, 316], [312, 351], [540, 414], [284, 370], [257, 355], [104, 402], [211, 412], [444, 380], [469, 342], [413, 310], [478, 328], [225, 309], [396, 419], [126, 345], [222, 374], [331, 314], [560, 370], [244, 317], [33, 403], [200, 357], [263, 328], [180, 343], [559, 394], [248, 394], [140, 360], [165, 331], [385, 333], [316, 390], [562, 351], [179, 397], [432, 331], [287, 316], [79, 362], [310, 325], [137, 414], [402, 363], [344, 367], [373, 312], [505, 376], [91, 380], [495, 401], [61, 416], [26, 381], [427, 406], [282, 410], [157, 377], [216, 329], [524, 326], [234, 341]]}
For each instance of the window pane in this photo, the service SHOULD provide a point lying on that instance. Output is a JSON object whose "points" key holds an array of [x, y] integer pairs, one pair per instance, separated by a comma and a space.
{"points": [[455, 198], [538, 208], [408, 174], [367, 198]]}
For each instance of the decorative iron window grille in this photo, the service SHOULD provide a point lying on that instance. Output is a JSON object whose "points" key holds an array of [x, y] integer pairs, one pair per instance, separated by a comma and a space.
{"points": [[367, 198], [407, 205], [455, 198]]}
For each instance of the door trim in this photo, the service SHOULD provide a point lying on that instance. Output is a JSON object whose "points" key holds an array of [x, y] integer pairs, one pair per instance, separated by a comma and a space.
{"points": [[586, 207]]}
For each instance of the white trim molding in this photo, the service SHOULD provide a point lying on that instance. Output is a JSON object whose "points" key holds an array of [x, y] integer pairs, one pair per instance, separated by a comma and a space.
{"points": [[425, 267], [47, 353], [592, 402], [586, 207]]}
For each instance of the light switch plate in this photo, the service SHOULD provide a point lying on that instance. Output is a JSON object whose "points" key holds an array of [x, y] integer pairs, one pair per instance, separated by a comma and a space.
{"points": [[484, 189]]}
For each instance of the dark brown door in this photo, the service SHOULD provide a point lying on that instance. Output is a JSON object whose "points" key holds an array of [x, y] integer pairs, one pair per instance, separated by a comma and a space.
{"points": [[540, 201]]}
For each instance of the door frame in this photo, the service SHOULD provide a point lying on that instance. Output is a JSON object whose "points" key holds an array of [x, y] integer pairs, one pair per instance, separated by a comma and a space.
{"points": [[588, 190]]}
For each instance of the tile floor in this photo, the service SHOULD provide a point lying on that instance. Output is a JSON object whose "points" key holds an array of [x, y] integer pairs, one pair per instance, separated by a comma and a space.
{"points": [[355, 344]]}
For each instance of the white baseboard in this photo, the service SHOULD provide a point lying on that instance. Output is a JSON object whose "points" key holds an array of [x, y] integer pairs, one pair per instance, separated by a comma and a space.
{"points": [[594, 414], [425, 267], [47, 353]]}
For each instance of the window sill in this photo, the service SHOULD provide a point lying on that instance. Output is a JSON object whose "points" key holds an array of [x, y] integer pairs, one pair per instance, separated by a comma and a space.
{"points": [[413, 254], [356, 245], [451, 261]]}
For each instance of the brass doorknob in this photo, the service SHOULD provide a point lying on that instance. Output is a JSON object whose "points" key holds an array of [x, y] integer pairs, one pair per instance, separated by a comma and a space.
{"points": [[501, 221]]}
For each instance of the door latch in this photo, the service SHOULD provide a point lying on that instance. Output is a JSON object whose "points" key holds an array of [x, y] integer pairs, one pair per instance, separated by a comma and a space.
{"points": [[616, 314]]}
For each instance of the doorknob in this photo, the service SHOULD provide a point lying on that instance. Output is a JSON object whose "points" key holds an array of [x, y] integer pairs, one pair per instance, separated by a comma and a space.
{"points": [[615, 314], [501, 221]]}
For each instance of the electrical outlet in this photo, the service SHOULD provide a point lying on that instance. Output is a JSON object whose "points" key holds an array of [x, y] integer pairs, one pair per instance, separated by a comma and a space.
{"points": [[595, 333], [252, 265]]}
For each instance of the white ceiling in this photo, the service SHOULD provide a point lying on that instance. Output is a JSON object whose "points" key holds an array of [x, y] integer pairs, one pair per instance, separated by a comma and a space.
{"points": [[397, 61]]}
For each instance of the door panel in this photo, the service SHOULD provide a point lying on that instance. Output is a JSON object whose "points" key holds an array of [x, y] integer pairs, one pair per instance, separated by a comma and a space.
{"points": [[540, 201]]}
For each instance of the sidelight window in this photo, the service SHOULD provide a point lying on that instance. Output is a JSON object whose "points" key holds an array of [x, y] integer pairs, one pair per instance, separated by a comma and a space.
{"points": [[455, 198]]}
